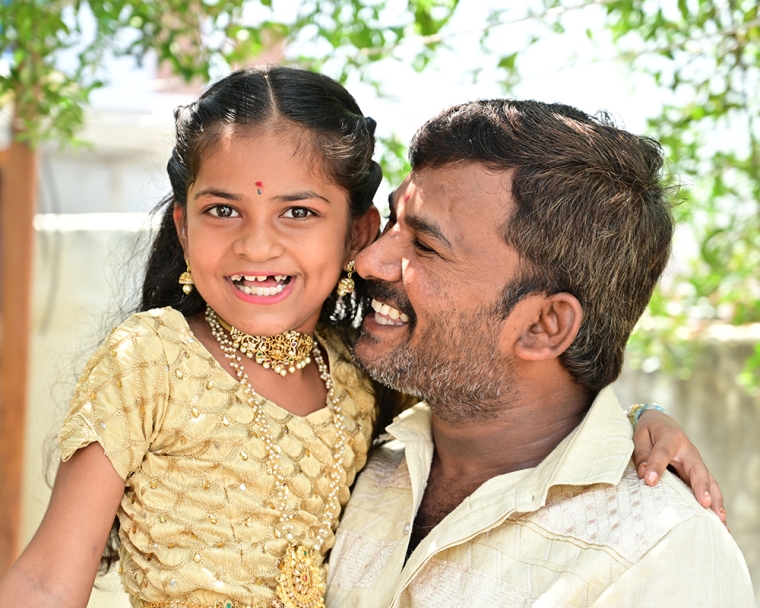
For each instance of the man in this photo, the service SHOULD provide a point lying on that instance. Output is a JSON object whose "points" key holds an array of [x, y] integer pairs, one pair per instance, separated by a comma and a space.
{"points": [[518, 256]]}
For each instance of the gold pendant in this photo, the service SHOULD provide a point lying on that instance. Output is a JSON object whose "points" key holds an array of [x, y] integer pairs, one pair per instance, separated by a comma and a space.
{"points": [[301, 584]]}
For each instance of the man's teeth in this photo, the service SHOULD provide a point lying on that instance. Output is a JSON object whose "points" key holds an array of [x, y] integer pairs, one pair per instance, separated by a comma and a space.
{"points": [[393, 315]]}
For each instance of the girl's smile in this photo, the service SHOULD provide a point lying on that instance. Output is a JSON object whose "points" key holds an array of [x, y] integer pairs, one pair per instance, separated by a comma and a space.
{"points": [[265, 230], [248, 284]]}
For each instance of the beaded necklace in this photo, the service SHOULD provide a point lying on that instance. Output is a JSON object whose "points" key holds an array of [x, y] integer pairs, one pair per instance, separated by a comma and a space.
{"points": [[301, 583]]}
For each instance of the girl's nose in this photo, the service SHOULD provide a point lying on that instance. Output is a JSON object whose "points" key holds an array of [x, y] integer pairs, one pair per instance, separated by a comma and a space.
{"points": [[258, 241], [381, 261]]}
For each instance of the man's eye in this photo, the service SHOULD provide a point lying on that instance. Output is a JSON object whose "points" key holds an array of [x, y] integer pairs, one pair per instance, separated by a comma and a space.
{"points": [[422, 248], [298, 213], [223, 211]]}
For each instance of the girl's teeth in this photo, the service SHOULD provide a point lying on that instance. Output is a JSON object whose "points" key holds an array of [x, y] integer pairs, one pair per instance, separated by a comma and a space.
{"points": [[261, 291], [260, 278]]}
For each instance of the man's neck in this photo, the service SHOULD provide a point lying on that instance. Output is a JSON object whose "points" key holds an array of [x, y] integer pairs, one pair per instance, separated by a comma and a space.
{"points": [[520, 437], [470, 452]]}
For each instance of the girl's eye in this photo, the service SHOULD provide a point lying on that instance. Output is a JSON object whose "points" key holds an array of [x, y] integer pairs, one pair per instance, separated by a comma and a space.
{"points": [[223, 211], [298, 213], [390, 220]]}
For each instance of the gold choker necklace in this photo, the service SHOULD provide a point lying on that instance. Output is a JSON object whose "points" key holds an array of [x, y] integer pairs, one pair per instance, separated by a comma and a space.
{"points": [[283, 353], [301, 583]]}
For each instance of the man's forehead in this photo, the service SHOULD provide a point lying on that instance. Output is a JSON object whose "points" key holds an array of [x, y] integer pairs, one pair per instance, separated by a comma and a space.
{"points": [[455, 187]]}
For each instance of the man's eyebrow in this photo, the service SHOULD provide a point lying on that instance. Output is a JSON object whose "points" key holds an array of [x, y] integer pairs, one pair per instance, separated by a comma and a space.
{"points": [[428, 228], [216, 193]]}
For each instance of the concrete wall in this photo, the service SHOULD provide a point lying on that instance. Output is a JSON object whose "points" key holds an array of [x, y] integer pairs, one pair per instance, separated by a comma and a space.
{"points": [[722, 419], [77, 271], [83, 260]]}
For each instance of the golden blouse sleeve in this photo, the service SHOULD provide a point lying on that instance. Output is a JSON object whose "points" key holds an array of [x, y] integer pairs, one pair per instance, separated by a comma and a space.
{"points": [[120, 397]]}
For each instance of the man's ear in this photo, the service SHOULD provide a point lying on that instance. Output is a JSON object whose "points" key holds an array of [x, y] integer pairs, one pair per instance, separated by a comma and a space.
{"points": [[179, 224], [365, 231], [550, 325]]}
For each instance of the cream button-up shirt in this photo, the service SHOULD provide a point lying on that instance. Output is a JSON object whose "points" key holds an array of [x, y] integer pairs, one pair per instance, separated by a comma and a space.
{"points": [[580, 529]]}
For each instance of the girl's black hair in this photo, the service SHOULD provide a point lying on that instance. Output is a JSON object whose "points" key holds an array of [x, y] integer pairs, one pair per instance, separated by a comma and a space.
{"points": [[341, 140]]}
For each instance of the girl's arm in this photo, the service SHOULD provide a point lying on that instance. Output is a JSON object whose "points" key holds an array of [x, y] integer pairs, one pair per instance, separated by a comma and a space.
{"points": [[58, 567], [660, 442]]}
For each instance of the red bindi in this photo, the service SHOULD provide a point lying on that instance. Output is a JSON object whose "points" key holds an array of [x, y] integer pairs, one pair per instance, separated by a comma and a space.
{"points": [[259, 186]]}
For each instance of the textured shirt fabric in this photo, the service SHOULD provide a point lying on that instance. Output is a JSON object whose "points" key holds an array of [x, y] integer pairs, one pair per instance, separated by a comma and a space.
{"points": [[198, 513], [580, 529]]}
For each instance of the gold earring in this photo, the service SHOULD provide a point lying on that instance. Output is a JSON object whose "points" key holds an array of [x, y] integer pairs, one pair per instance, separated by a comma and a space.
{"points": [[186, 280], [346, 285]]}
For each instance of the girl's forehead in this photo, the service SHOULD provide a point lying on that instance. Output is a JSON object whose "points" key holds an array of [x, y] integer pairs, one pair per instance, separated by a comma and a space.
{"points": [[267, 147], [298, 143]]}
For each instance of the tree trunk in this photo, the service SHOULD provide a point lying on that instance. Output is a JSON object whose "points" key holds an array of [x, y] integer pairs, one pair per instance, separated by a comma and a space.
{"points": [[18, 200]]}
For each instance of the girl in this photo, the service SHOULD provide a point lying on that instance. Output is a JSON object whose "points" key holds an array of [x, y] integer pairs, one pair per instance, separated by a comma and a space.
{"points": [[220, 432]]}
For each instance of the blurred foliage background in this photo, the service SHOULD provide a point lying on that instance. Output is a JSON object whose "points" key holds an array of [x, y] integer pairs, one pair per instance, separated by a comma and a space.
{"points": [[704, 55]]}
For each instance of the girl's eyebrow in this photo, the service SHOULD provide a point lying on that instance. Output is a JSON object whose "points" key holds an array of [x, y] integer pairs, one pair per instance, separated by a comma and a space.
{"points": [[216, 193], [301, 195]]}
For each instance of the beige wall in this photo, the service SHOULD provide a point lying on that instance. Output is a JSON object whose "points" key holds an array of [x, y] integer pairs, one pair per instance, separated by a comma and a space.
{"points": [[722, 419], [78, 271]]}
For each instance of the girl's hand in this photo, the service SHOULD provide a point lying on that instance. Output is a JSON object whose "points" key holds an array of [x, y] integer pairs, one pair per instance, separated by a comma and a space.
{"points": [[660, 442]]}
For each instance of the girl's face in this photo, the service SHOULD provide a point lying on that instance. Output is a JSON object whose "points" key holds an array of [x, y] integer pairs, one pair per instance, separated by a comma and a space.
{"points": [[266, 232]]}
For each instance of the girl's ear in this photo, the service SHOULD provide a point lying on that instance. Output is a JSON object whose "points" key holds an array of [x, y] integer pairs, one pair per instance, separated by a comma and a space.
{"points": [[366, 229], [179, 224], [550, 324]]}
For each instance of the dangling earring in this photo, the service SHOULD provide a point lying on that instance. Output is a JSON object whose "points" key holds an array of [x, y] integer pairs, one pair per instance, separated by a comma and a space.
{"points": [[186, 280], [346, 285]]}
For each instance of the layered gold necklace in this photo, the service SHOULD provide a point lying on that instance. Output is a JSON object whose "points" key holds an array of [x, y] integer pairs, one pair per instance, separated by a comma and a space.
{"points": [[284, 353], [301, 583]]}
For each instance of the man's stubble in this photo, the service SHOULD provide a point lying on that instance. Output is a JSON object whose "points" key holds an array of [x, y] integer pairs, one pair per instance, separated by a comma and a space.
{"points": [[454, 364]]}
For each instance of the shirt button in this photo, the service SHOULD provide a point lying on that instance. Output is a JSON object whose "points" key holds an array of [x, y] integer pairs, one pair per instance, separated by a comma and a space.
{"points": [[407, 527]]}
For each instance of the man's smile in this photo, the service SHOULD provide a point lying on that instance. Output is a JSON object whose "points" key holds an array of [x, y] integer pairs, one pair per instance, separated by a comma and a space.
{"points": [[387, 315]]}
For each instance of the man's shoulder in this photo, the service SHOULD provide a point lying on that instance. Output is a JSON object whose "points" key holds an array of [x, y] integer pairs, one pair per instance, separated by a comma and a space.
{"points": [[628, 518]]}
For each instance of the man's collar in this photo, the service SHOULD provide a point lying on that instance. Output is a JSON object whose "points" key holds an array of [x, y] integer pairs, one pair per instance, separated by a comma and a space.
{"points": [[596, 451]]}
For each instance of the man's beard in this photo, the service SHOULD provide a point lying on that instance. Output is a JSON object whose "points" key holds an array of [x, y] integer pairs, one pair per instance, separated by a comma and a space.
{"points": [[456, 365]]}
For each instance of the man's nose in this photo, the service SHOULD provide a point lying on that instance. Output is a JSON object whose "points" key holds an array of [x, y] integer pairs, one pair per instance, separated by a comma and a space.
{"points": [[381, 261]]}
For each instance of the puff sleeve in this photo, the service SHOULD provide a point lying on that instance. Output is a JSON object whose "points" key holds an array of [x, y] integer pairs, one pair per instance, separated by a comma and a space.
{"points": [[121, 397]]}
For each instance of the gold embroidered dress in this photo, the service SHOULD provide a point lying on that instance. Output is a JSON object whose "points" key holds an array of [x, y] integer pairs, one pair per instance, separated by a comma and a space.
{"points": [[198, 514]]}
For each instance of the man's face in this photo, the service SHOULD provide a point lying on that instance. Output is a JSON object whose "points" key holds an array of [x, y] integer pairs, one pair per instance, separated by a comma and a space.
{"points": [[438, 271]]}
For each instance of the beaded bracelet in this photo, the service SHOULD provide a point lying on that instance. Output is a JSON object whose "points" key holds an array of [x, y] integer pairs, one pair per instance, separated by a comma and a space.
{"points": [[635, 411]]}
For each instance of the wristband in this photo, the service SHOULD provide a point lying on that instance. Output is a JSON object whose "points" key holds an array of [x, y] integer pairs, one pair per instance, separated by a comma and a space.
{"points": [[635, 411]]}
